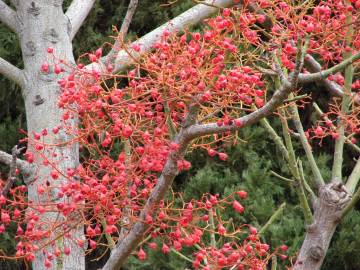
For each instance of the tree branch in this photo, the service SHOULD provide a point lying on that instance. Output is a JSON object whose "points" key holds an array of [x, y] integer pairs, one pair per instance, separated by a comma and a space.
{"points": [[128, 17], [306, 146], [25, 167], [123, 30], [192, 16], [347, 140], [12, 174], [212, 128], [349, 73], [353, 178], [272, 219], [275, 138], [77, 13], [314, 67], [8, 16], [11, 72], [319, 76]]}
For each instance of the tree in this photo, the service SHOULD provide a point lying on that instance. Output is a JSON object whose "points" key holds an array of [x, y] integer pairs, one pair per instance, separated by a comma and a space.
{"points": [[180, 95]]}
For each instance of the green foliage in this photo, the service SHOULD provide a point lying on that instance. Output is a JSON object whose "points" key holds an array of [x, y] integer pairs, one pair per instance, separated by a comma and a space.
{"points": [[345, 245]]}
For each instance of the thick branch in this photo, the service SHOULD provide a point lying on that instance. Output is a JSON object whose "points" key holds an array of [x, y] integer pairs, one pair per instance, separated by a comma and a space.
{"points": [[8, 17], [11, 72], [212, 128], [314, 67], [190, 17], [329, 206], [25, 168], [319, 76], [77, 13]]}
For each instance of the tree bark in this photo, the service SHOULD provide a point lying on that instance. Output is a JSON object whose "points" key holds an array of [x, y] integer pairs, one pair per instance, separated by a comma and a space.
{"points": [[333, 198], [42, 25]]}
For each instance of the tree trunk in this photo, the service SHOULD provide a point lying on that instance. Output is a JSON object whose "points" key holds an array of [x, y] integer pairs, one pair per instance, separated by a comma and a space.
{"points": [[43, 24], [333, 197]]}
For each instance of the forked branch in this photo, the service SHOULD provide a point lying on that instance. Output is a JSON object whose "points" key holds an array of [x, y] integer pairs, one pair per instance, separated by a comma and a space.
{"points": [[25, 168]]}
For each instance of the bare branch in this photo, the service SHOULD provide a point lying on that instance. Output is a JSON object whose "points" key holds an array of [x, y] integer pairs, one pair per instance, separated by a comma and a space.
{"points": [[313, 66], [124, 29], [12, 174], [25, 168], [8, 16], [318, 76], [354, 178], [11, 72], [192, 16], [128, 17], [211, 128], [77, 13]]}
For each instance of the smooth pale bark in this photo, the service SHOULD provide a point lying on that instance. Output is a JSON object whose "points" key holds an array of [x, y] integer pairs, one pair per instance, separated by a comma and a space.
{"points": [[11, 72], [192, 16], [43, 25], [8, 16], [77, 13]]}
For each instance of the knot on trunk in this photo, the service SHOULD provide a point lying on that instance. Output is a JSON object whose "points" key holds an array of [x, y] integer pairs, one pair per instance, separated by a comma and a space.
{"points": [[335, 194], [316, 252]]}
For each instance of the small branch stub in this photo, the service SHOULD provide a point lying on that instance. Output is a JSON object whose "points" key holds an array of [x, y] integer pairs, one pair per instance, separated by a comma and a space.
{"points": [[12, 174]]}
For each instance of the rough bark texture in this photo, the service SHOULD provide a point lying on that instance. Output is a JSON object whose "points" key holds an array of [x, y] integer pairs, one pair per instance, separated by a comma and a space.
{"points": [[42, 25], [332, 199]]}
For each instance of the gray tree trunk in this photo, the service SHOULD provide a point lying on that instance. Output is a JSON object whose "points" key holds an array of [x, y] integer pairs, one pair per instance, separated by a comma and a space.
{"points": [[42, 25], [333, 198]]}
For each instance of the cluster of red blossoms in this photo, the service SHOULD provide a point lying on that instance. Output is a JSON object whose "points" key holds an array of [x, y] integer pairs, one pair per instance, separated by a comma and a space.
{"points": [[127, 124]]}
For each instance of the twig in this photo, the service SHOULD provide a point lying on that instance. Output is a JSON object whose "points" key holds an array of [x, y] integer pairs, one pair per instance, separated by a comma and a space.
{"points": [[271, 220], [212, 228], [347, 140], [281, 177]]}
